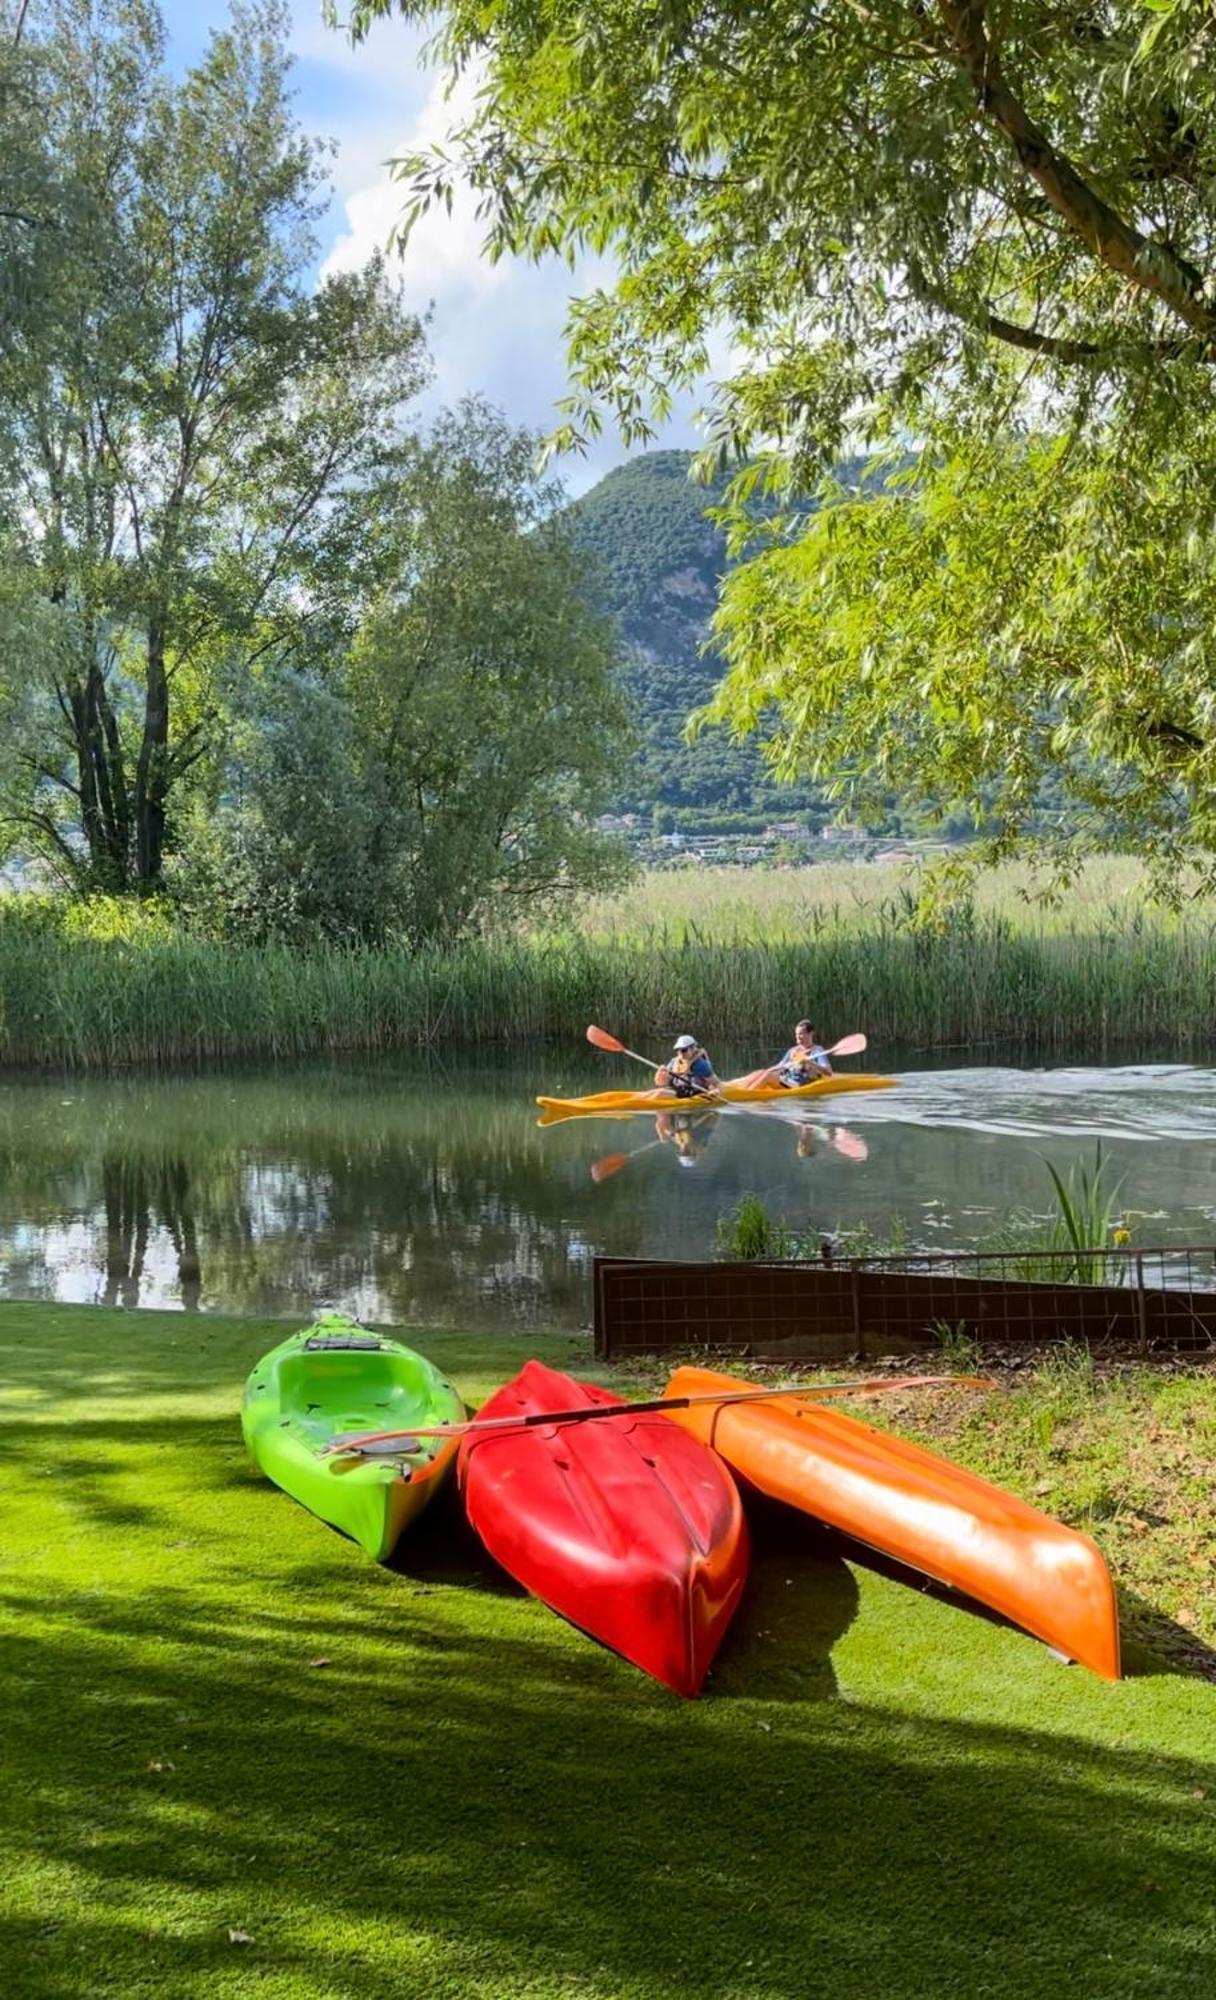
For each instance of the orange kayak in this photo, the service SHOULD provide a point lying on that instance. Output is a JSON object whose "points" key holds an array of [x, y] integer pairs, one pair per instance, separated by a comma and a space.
{"points": [[910, 1504], [613, 1103]]}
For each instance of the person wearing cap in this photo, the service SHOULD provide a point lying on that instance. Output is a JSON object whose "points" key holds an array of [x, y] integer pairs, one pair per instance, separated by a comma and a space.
{"points": [[688, 1071]]}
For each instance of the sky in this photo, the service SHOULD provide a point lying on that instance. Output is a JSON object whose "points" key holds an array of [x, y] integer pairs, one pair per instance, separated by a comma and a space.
{"points": [[495, 329]]}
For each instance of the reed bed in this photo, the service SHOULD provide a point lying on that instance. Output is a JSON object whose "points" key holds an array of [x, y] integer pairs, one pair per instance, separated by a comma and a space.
{"points": [[159, 997], [732, 904]]}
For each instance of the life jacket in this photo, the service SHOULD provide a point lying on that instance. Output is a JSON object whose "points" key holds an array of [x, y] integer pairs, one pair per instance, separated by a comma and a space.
{"points": [[679, 1071]]}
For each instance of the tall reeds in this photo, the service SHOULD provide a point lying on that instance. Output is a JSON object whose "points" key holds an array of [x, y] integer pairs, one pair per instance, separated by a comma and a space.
{"points": [[153, 995]]}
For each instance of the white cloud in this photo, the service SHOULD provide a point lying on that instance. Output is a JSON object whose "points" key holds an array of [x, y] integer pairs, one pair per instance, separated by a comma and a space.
{"points": [[496, 329]]}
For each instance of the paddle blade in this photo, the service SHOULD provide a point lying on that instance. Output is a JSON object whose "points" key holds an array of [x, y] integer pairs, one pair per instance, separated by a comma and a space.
{"points": [[850, 1145], [601, 1039], [852, 1045], [612, 1163]]}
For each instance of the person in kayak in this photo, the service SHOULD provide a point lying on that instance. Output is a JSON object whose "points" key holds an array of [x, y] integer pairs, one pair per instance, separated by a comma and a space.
{"points": [[688, 1071], [804, 1062]]}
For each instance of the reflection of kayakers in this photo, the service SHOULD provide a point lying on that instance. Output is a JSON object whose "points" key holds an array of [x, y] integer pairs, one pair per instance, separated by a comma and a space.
{"points": [[689, 1133], [688, 1071]]}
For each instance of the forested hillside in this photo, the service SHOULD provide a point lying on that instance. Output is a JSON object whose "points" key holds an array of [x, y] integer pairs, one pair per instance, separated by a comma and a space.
{"points": [[656, 563], [658, 559]]}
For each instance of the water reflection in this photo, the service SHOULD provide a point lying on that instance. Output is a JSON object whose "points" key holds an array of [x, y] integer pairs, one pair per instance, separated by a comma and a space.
{"points": [[138, 1197], [405, 1194]]}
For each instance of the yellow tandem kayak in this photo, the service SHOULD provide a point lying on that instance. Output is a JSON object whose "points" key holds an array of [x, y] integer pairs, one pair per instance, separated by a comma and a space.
{"points": [[610, 1103]]}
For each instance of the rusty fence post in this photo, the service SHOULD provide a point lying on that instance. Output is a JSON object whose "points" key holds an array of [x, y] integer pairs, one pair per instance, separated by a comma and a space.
{"points": [[1141, 1303]]}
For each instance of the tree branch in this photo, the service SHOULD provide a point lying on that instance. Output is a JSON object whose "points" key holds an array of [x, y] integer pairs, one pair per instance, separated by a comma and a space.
{"points": [[1118, 244], [46, 825]]}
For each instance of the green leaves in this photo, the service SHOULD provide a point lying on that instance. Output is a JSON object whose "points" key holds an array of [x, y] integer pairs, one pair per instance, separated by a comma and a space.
{"points": [[448, 776], [187, 430], [979, 237]]}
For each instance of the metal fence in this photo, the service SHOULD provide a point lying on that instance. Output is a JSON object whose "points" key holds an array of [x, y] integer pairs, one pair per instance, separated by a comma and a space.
{"points": [[1148, 1299]]}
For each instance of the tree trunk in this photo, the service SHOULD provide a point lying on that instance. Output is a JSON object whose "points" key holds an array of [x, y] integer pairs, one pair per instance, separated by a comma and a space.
{"points": [[152, 770], [105, 813]]}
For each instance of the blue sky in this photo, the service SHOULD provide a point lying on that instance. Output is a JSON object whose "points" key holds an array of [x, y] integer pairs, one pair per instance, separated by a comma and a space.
{"points": [[495, 329]]}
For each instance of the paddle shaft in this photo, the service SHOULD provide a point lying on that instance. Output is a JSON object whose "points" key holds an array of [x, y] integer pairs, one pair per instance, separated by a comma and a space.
{"points": [[609, 1045], [591, 1412], [702, 1088]]}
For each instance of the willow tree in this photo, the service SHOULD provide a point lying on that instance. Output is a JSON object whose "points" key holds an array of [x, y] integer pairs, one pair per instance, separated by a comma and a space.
{"points": [[973, 238], [186, 420]]}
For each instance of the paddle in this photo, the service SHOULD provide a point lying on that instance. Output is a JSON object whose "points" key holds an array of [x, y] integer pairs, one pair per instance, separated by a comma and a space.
{"points": [[601, 1039], [358, 1441]]}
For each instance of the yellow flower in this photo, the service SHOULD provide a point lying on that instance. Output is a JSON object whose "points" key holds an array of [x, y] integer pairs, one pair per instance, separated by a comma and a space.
{"points": [[1122, 1236]]}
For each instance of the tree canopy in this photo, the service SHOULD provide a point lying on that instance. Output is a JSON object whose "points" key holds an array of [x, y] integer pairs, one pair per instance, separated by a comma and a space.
{"points": [[188, 429], [978, 232], [445, 771], [264, 646]]}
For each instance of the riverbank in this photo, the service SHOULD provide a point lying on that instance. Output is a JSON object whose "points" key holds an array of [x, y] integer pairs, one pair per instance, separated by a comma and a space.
{"points": [[1113, 978], [241, 1759]]}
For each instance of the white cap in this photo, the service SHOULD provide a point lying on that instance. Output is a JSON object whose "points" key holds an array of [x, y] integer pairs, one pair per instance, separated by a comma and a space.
{"points": [[685, 1042]]}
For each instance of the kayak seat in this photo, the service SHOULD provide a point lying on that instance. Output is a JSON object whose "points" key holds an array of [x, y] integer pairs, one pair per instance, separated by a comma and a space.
{"points": [[351, 1386]]}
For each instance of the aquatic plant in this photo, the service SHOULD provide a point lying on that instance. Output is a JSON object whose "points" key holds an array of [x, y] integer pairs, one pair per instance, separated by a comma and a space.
{"points": [[1086, 1221], [748, 1231]]}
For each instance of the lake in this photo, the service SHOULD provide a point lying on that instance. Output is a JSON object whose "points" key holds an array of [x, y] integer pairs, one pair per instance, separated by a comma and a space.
{"points": [[421, 1192]]}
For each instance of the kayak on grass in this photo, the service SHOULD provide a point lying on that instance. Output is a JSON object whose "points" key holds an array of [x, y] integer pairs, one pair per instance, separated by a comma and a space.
{"points": [[628, 1527], [610, 1103], [333, 1378], [908, 1503]]}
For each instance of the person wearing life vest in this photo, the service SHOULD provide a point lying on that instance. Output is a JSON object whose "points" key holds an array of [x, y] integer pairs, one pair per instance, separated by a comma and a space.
{"points": [[688, 1071], [805, 1061]]}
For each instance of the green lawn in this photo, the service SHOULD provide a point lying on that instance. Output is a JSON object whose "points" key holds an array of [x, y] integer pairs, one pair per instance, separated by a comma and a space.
{"points": [[240, 1760]]}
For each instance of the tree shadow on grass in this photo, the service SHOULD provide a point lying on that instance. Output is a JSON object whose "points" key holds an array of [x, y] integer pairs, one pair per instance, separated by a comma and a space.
{"points": [[489, 1804]]}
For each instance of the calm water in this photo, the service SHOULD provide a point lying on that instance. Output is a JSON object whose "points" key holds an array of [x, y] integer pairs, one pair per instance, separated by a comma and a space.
{"points": [[417, 1193]]}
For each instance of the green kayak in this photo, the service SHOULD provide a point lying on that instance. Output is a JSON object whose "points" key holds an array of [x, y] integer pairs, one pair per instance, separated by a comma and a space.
{"points": [[335, 1377]]}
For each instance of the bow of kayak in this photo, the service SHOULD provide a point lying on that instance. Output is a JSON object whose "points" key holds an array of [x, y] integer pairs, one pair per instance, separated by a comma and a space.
{"points": [[612, 1103], [908, 1503], [628, 1527], [334, 1378]]}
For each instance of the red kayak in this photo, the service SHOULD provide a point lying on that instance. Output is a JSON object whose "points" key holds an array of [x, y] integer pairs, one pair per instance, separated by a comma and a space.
{"points": [[628, 1526]]}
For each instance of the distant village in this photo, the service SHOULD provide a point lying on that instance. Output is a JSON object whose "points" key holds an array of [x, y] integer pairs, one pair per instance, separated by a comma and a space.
{"points": [[784, 843]]}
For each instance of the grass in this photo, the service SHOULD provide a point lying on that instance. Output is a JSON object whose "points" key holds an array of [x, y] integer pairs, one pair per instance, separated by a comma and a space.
{"points": [[729, 905], [744, 952], [240, 1760]]}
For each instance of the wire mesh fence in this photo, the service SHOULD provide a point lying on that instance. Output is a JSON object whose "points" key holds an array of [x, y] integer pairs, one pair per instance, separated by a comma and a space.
{"points": [[1145, 1298]]}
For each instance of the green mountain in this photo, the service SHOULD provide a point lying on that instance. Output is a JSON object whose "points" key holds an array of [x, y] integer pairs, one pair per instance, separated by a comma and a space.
{"points": [[656, 562]]}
